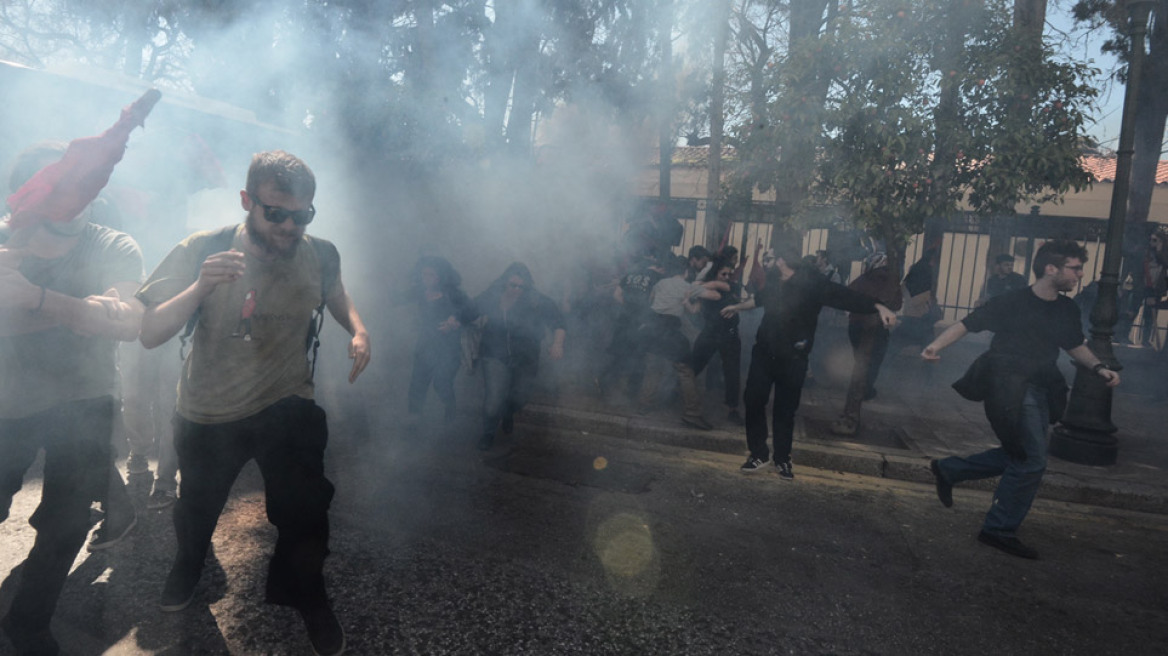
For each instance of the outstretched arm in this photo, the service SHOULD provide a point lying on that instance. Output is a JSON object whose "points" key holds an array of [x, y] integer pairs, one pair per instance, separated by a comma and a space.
{"points": [[951, 335], [115, 314], [341, 306]]}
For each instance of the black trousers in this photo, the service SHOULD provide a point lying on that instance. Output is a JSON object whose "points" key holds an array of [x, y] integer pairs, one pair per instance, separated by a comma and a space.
{"points": [[726, 343], [785, 375], [287, 441], [76, 440]]}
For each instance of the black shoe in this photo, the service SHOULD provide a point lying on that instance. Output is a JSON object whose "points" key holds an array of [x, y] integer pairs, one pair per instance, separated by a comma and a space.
{"points": [[508, 423], [785, 471], [734, 418], [324, 631], [177, 592], [697, 422], [110, 533], [944, 488], [486, 442], [1009, 544], [29, 643], [752, 465]]}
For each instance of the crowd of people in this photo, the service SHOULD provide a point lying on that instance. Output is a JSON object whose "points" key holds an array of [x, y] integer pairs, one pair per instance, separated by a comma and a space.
{"points": [[250, 299]]}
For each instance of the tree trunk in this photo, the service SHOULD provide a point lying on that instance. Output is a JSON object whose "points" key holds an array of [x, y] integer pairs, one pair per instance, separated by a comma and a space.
{"points": [[714, 219], [665, 104]]}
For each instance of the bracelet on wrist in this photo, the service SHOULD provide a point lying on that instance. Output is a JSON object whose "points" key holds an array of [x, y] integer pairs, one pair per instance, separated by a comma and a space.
{"points": [[1099, 366]]}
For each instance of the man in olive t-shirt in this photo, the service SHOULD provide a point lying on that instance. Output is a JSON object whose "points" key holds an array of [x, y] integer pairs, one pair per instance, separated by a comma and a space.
{"points": [[246, 388]]}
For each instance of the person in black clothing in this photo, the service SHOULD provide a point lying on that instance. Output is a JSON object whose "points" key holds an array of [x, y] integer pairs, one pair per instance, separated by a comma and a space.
{"points": [[626, 352], [791, 300], [720, 333], [442, 309], [516, 318], [1002, 279], [1022, 388]]}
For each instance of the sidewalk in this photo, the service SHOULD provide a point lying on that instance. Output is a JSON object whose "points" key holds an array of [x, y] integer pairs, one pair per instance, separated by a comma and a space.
{"points": [[915, 416]]}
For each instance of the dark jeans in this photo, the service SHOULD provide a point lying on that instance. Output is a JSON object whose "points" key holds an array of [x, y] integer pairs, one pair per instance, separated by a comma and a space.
{"points": [[76, 440], [287, 441], [506, 388], [785, 375], [726, 343], [438, 365], [626, 357]]}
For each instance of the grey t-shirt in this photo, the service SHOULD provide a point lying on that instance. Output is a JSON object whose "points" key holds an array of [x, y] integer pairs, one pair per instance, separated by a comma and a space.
{"points": [[249, 347], [40, 370]]}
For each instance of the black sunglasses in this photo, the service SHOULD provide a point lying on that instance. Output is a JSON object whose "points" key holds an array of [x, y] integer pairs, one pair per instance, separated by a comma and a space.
{"points": [[280, 215]]}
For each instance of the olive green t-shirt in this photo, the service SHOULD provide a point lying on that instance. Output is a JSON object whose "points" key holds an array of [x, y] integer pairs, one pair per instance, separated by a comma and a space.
{"points": [[42, 369], [248, 350]]}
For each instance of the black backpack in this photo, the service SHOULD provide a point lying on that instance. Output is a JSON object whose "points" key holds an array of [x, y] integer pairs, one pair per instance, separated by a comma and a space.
{"points": [[330, 265]]}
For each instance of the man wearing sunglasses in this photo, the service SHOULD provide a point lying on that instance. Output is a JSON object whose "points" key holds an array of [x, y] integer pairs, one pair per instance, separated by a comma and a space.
{"points": [[246, 391]]}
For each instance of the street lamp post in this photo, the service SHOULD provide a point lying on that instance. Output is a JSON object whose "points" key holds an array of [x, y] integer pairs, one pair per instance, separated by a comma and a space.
{"points": [[1086, 434]]}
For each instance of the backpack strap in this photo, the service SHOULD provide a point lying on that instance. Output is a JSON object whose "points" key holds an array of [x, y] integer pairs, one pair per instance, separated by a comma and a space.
{"points": [[216, 242], [330, 271]]}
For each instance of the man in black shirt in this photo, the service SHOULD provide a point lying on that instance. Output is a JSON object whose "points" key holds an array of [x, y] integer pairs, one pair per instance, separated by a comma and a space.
{"points": [[1021, 386], [791, 300]]}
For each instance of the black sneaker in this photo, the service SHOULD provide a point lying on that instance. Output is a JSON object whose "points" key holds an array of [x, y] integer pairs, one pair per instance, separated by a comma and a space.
{"points": [[752, 465], [508, 423], [177, 592], [324, 631], [734, 418], [1009, 544], [944, 488], [785, 472], [110, 533]]}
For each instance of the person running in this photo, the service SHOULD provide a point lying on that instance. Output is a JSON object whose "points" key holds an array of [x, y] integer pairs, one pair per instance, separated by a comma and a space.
{"points": [[246, 391], [1022, 387]]}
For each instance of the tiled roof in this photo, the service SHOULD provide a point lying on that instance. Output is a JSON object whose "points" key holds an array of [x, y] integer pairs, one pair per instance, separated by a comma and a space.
{"points": [[1103, 168]]}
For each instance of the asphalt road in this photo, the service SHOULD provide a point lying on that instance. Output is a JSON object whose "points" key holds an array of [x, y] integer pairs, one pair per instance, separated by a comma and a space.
{"points": [[579, 544]]}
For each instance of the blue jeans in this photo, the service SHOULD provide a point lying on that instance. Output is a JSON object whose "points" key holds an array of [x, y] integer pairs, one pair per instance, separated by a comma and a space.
{"points": [[1020, 478]]}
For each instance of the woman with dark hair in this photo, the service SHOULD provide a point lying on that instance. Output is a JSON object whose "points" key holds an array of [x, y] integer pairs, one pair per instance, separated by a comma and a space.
{"points": [[517, 316], [720, 333], [442, 309]]}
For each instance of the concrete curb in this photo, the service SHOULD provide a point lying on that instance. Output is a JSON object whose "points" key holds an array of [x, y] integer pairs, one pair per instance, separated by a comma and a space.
{"points": [[880, 462]]}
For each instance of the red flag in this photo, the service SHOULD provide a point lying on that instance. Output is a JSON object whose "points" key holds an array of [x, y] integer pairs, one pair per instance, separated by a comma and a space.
{"points": [[60, 191]]}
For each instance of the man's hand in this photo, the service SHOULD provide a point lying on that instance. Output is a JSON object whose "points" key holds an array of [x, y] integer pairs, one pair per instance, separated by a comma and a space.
{"points": [[1112, 377], [930, 354], [359, 353], [111, 303], [449, 325], [887, 317], [219, 268]]}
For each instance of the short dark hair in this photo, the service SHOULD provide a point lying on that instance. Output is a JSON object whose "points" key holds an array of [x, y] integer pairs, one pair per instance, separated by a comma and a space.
{"points": [[790, 253], [1003, 258], [1056, 252], [698, 251], [286, 172]]}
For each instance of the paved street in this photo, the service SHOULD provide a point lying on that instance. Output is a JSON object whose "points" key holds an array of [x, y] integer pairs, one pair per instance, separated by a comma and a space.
{"points": [[574, 544]]}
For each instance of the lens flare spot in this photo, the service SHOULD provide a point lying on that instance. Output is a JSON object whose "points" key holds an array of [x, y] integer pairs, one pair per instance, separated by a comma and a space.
{"points": [[625, 547], [600, 463]]}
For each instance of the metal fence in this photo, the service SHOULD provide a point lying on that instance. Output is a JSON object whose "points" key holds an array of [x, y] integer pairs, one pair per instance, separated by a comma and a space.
{"points": [[963, 241]]}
